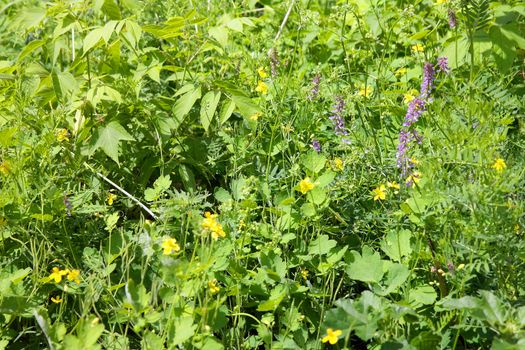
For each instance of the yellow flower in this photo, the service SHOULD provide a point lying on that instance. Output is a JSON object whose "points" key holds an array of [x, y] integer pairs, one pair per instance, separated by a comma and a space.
{"points": [[306, 185], [460, 267], [169, 246], [418, 48], [56, 274], [380, 193], [262, 73], [409, 96], [304, 273], [111, 198], [339, 164], [393, 185], [57, 299], [262, 87], [401, 71], [332, 336], [255, 116], [5, 167], [499, 164], [413, 179], [62, 135], [209, 223], [73, 275], [365, 91], [213, 287]]}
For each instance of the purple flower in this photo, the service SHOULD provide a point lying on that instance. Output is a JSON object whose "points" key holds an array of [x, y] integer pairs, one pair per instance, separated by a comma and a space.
{"points": [[68, 205], [452, 20], [428, 79], [316, 145], [315, 88], [337, 117], [414, 111], [274, 62], [442, 65]]}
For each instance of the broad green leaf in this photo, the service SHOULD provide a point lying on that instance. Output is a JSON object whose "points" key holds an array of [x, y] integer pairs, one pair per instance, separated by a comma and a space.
{"points": [[220, 34], [31, 17], [367, 267], [111, 9], [184, 329], [226, 111], [30, 48], [92, 39], [222, 195], [313, 162], [422, 295], [397, 244], [184, 104], [325, 179], [397, 274], [317, 196], [109, 137], [457, 51], [133, 32], [246, 106], [209, 104], [321, 245], [276, 297], [107, 30]]}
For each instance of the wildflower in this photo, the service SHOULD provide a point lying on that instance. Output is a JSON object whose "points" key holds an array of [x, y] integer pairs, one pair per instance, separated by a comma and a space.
{"points": [[365, 91], [452, 20], [57, 299], [409, 96], [213, 287], [418, 48], [210, 224], [274, 61], [393, 185], [262, 73], [315, 88], [5, 167], [56, 274], [67, 204], [499, 165], [62, 135], [413, 179], [111, 198], [460, 267], [316, 145], [380, 193], [401, 71], [332, 336], [73, 275], [428, 79], [339, 164], [442, 63], [169, 246], [416, 107], [262, 87], [304, 273], [306, 185], [337, 116], [255, 116]]}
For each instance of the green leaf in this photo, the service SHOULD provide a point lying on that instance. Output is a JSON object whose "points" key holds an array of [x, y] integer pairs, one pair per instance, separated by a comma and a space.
{"points": [[31, 17], [92, 39], [276, 297], [313, 162], [30, 48], [397, 244], [227, 109], [457, 51], [184, 330], [316, 196], [397, 274], [109, 137], [245, 105], [209, 104], [367, 267], [111, 9], [184, 104], [422, 295], [321, 245]]}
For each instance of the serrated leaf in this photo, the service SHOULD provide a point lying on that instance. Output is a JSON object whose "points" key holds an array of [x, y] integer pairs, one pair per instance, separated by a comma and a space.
{"points": [[92, 39], [321, 246], [208, 106], [367, 267], [109, 137], [313, 162], [422, 295], [184, 104], [397, 244]]}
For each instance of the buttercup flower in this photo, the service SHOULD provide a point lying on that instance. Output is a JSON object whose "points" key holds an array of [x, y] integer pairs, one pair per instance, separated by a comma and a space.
{"points": [[169, 246], [365, 91], [393, 185], [499, 165], [413, 179], [332, 336], [410, 96], [262, 87], [401, 71], [111, 198], [56, 274], [210, 224], [379, 193], [73, 275], [339, 164], [255, 116], [418, 48], [262, 73], [57, 299], [306, 185], [213, 287], [62, 135]]}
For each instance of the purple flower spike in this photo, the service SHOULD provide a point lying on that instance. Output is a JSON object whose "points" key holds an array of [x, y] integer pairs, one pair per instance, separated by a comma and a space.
{"points": [[315, 88], [316, 145], [337, 117], [442, 65], [452, 20], [428, 79], [415, 109]]}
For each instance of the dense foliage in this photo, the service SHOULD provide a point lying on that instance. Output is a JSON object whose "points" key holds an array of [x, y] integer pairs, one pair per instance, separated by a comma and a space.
{"points": [[252, 174]]}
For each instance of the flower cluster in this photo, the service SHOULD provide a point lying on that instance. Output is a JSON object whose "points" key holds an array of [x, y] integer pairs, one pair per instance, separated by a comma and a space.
{"points": [[210, 224], [337, 117], [316, 145], [68, 205], [381, 191], [452, 20], [71, 275], [170, 246], [62, 135], [316, 81]]}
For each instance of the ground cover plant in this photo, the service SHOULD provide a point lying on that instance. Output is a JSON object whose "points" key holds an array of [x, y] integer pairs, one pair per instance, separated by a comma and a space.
{"points": [[262, 174]]}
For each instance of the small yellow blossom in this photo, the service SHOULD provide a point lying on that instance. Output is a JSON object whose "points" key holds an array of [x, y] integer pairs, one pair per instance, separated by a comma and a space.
{"points": [[169, 246], [73, 275], [460, 267], [262, 72], [210, 223], [409, 96], [111, 198], [213, 287], [365, 91], [339, 164], [57, 299], [413, 179], [305, 273], [56, 274], [401, 71], [306, 185], [332, 336], [499, 164], [414, 161], [255, 116], [62, 135], [262, 87], [393, 185], [379, 193], [5, 167], [418, 48]]}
